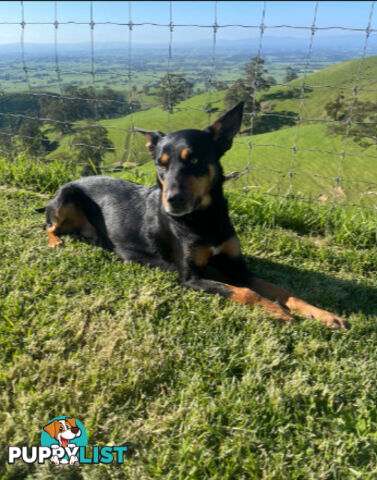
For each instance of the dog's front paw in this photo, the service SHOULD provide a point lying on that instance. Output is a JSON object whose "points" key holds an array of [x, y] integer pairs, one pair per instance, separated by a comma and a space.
{"points": [[329, 319], [56, 243], [73, 460], [276, 310], [336, 322]]}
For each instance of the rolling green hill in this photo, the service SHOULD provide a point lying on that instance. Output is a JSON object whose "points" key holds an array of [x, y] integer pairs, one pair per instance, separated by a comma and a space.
{"points": [[338, 75], [270, 164], [304, 164], [131, 147]]}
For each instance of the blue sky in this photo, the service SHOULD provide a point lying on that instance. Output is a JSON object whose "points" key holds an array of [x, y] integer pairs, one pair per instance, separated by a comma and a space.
{"points": [[352, 14]]}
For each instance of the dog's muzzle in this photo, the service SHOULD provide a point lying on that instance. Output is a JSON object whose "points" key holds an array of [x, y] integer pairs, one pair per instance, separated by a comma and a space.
{"points": [[178, 205]]}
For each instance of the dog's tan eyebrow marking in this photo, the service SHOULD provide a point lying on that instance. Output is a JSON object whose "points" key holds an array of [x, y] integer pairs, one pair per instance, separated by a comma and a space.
{"points": [[185, 153], [164, 158]]}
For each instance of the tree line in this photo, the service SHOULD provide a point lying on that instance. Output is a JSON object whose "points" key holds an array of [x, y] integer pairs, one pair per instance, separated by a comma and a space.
{"points": [[30, 118]]}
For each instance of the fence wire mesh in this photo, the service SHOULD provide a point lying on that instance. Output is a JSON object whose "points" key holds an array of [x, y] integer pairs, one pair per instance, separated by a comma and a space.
{"points": [[252, 172]]}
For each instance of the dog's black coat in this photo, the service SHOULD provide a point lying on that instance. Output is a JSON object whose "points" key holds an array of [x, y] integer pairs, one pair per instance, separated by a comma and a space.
{"points": [[130, 219]]}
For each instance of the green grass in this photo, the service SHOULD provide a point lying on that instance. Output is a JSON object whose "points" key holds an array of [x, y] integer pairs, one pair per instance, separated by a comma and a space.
{"points": [[198, 387], [35, 174], [267, 161]]}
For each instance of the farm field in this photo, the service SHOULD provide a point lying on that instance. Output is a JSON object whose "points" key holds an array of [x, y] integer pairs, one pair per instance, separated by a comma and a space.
{"points": [[122, 72]]}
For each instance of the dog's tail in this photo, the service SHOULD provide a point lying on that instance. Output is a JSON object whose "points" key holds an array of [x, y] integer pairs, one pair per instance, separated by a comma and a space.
{"points": [[40, 210]]}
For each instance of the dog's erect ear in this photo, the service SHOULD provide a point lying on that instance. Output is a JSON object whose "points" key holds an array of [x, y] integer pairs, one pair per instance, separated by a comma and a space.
{"points": [[152, 136], [51, 428], [225, 128]]}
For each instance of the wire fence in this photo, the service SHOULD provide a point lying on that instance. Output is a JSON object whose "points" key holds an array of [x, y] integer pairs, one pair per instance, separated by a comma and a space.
{"points": [[277, 168]]}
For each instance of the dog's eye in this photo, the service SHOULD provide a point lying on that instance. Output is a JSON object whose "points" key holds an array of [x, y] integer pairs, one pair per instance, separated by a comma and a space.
{"points": [[61, 429], [68, 427], [193, 160]]}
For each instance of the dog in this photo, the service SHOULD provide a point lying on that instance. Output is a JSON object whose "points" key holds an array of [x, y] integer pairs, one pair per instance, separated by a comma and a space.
{"points": [[182, 223], [63, 431]]}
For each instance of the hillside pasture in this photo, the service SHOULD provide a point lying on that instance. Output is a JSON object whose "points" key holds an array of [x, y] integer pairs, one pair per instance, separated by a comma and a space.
{"points": [[270, 155]]}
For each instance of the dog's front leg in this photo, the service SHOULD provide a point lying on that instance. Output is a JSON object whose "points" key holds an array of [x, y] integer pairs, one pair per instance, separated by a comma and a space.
{"points": [[192, 278], [237, 272], [295, 304]]}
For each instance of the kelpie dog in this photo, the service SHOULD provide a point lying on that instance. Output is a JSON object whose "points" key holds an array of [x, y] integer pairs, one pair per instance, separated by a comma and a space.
{"points": [[182, 223]]}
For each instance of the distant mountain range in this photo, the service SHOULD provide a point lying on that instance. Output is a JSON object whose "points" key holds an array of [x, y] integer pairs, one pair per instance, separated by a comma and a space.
{"points": [[340, 44]]}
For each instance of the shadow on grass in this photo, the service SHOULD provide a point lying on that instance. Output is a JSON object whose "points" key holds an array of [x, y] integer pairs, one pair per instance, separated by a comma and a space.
{"points": [[333, 294]]}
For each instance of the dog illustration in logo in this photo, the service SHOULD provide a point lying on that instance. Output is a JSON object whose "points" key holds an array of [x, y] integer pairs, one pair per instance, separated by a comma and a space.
{"points": [[63, 431]]}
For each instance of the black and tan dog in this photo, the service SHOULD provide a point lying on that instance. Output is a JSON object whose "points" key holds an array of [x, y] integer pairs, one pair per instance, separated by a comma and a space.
{"points": [[180, 224]]}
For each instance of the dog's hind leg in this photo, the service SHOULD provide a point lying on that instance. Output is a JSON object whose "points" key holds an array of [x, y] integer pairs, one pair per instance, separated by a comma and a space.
{"points": [[69, 218], [53, 240]]}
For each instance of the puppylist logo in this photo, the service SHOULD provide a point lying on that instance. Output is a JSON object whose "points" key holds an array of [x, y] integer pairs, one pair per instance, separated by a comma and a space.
{"points": [[64, 441]]}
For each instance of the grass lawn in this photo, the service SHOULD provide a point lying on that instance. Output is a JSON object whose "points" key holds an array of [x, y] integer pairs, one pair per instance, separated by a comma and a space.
{"points": [[197, 387]]}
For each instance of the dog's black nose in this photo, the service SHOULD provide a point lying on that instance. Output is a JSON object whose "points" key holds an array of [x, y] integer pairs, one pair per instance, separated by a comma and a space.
{"points": [[75, 429], [177, 200]]}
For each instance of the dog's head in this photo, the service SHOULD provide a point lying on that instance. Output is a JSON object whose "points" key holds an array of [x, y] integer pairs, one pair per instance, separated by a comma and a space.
{"points": [[187, 161], [63, 430]]}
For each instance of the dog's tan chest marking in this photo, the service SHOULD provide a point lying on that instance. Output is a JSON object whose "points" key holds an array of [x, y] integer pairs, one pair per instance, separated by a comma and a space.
{"points": [[231, 247], [201, 254]]}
